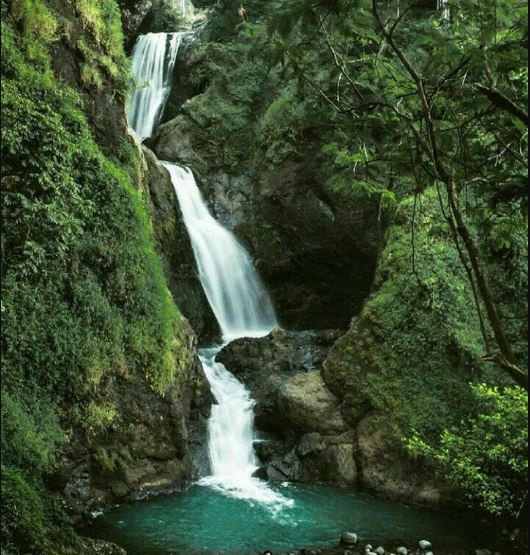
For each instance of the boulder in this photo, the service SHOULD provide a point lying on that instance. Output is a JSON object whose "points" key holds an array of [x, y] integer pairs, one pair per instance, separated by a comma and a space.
{"points": [[348, 539], [307, 405], [389, 471]]}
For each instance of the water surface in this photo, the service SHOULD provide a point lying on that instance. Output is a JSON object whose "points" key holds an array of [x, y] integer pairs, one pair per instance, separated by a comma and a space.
{"points": [[205, 521]]}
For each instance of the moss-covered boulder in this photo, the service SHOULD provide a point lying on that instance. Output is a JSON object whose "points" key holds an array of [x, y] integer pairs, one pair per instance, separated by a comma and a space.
{"points": [[414, 348], [406, 364]]}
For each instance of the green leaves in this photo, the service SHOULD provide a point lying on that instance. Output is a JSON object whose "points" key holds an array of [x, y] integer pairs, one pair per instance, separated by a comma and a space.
{"points": [[486, 455], [84, 299]]}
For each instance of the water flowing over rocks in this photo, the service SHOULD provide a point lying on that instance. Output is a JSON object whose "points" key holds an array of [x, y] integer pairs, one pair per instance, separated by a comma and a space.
{"points": [[304, 435], [316, 250], [175, 250]]}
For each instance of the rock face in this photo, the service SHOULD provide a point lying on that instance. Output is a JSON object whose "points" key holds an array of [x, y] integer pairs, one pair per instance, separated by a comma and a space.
{"points": [[175, 249], [304, 437], [305, 433], [133, 14], [386, 469], [155, 443], [316, 250]]}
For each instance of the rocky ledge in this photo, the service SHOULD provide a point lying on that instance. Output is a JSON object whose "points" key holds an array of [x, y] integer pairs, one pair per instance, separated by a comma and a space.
{"points": [[305, 435]]}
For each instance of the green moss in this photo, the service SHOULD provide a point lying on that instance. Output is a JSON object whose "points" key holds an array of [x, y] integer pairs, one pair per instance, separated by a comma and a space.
{"points": [[106, 459], [84, 298], [38, 23], [164, 17], [91, 77], [25, 521], [414, 349]]}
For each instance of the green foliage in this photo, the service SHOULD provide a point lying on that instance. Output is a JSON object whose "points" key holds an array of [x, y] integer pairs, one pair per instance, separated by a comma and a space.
{"points": [[106, 461], [31, 431], [413, 350], [164, 17], [84, 299], [486, 455], [225, 113], [25, 520], [38, 25], [284, 125], [101, 45]]}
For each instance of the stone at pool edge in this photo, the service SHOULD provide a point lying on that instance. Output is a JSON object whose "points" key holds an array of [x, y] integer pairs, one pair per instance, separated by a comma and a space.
{"points": [[348, 539]]}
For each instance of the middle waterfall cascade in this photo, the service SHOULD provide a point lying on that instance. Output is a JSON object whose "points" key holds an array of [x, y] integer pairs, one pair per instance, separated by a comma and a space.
{"points": [[153, 61], [243, 309], [237, 297]]}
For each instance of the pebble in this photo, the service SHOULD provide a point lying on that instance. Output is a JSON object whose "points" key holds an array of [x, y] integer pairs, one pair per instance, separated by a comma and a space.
{"points": [[348, 538], [380, 550], [402, 551], [482, 552], [368, 548], [424, 545]]}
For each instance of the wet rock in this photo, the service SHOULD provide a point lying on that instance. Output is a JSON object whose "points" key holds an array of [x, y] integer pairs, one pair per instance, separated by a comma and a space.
{"points": [[424, 545], [133, 13], [101, 547], [402, 551], [386, 469], [380, 550], [310, 444], [306, 404], [175, 250], [348, 539], [281, 370]]}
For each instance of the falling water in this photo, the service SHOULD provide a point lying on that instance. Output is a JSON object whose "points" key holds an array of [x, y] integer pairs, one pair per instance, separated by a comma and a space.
{"points": [[153, 61], [233, 288], [443, 6], [243, 309], [185, 7]]}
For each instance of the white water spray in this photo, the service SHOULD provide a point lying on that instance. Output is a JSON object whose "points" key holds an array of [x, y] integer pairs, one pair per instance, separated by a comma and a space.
{"points": [[185, 7], [153, 61], [243, 309]]}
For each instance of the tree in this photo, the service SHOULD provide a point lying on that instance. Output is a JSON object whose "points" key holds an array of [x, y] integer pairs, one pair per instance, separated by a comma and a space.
{"points": [[433, 98]]}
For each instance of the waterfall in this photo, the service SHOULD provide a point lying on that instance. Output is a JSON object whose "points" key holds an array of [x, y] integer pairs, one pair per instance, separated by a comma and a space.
{"points": [[153, 61], [185, 7], [233, 288], [243, 309]]}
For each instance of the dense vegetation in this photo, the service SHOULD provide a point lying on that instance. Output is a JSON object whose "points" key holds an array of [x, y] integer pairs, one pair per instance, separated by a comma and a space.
{"points": [[421, 106], [83, 295], [422, 109]]}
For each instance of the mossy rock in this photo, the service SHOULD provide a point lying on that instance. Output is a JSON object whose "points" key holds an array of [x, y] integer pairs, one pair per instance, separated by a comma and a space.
{"points": [[414, 348]]}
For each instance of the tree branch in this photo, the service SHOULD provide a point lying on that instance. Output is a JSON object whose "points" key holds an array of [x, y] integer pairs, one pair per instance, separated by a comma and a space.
{"points": [[499, 99]]}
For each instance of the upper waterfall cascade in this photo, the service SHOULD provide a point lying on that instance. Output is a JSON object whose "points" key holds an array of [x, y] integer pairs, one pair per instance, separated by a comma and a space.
{"points": [[153, 61], [243, 309]]}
